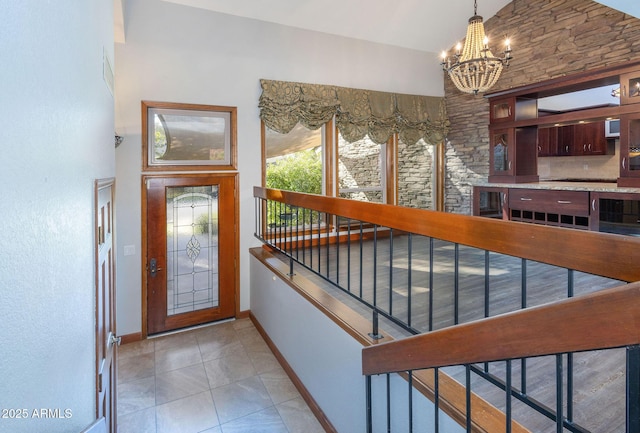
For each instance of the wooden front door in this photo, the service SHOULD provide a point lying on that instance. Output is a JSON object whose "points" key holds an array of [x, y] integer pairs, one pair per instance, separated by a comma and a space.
{"points": [[106, 339], [190, 249]]}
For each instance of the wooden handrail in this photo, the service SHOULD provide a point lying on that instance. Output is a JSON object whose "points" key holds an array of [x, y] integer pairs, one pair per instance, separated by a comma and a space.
{"points": [[607, 255], [606, 319]]}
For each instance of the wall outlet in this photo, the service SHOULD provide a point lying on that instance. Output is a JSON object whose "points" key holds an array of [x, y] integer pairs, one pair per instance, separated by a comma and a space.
{"points": [[585, 166], [129, 250]]}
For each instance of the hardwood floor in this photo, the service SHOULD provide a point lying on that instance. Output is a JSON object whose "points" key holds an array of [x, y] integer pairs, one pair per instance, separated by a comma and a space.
{"points": [[407, 265]]}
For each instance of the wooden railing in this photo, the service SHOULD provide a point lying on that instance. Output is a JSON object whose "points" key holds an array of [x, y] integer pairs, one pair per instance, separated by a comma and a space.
{"points": [[604, 319]]}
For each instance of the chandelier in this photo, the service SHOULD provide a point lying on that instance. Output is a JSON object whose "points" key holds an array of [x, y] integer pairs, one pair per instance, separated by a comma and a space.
{"points": [[475, 69]]}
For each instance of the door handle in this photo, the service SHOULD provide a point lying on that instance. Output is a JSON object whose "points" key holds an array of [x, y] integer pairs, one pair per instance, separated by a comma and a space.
{"points": [[112, 340], [153, 267]]}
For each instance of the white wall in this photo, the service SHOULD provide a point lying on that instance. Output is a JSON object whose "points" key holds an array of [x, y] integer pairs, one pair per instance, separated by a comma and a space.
{"points": [[56, 118], [181, 54]]}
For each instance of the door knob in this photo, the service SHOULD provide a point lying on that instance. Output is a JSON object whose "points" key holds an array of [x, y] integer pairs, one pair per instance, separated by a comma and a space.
{"points": [[113, 340]]}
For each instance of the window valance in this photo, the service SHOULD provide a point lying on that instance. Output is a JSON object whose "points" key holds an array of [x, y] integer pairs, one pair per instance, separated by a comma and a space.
{"points": [[358, 112]]}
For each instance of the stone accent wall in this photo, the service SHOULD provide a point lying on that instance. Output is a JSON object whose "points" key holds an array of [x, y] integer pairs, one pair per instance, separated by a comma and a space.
{"points": [[550, 38], [359, 167], [414, 175]]}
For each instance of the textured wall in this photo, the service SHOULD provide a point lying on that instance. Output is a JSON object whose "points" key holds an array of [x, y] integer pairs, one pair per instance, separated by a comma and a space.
{"points": [[550, 38], [57, 138]]}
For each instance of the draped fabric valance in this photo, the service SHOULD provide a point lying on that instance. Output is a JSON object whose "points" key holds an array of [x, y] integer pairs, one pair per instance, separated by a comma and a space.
{"points": [[358, 112]]}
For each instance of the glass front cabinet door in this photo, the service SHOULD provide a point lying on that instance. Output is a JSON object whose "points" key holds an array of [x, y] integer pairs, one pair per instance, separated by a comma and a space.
{"points": [[630, 150], [502, 146], [630, 88]]}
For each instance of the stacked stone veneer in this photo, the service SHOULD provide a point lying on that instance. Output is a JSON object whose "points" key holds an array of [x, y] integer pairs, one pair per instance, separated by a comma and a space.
{"points": [[359, 166], [550, 38]]}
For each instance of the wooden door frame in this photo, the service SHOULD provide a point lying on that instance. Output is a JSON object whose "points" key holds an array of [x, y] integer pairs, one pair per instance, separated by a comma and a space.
{"points": [[143, 253], [99, 238]]}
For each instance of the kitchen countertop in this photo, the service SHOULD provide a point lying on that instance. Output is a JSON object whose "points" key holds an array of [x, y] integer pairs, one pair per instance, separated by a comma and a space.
{"points": [[568, 185]]}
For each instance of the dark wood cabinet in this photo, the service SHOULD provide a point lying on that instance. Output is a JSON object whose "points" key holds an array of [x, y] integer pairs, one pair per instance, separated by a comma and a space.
{"points": [[581, 139], [629, 150], [512, 108], [614, 212], [490, 202], [513, 155], [548, 141], [589, 139], [630, 88]]}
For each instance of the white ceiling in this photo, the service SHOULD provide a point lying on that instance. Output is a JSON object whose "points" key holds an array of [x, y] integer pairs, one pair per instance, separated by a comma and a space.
{"points": [[425, 25]]}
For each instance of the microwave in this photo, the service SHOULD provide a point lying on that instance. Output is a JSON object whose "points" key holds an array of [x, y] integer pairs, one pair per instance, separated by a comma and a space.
{"points": [[612, 128]]}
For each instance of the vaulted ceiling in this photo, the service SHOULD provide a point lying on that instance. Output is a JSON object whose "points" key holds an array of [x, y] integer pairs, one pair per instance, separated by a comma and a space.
{"points": [[424, 25]]}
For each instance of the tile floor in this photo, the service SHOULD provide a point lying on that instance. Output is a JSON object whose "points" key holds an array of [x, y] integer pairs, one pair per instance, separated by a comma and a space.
{"points": [[217, 379]]}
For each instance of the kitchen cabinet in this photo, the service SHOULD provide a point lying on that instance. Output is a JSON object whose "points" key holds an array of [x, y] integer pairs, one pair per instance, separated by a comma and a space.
{"points": [[548, 141], [490, 202], [511, 109], [589, 139], [630, 88], [629, 150], [513, 155], [605, 211], [581, 139], [613, 212]]}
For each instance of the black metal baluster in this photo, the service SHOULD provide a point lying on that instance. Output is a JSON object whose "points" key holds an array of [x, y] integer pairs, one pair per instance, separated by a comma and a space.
{"points": [[388, 402], [319, 244], [349, 255], [409, 282], [456, 284], [375, 267], [559, 413], [361, 257], [508, 396], [368, 409], [338, 251], [410, 401], [570, 290], [430, 284], [523, 304], [487, 270], [633, 389], [468, 396], [436, 400], [391, 271]]}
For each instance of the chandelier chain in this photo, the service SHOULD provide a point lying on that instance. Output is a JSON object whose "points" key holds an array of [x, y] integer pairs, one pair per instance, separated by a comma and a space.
{"points": [[475, 7]]}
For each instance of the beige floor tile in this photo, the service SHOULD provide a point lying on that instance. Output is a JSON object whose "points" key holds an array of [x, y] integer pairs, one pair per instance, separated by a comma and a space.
{"points": [[191, 414], [136, 349], [229, 369], [298, 417], [179, 357], [240, 399], [211, 350], [263, 361], [143, 421], [264, 421], [136, 395], [164, 384], [136, 367], [279, 386], [173, 341], [176, 384]]}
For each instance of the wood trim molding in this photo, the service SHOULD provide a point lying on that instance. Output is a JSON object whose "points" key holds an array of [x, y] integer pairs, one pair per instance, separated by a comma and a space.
{"points": [[306, 395], [603, 254], [131, 338], [601, 320]]}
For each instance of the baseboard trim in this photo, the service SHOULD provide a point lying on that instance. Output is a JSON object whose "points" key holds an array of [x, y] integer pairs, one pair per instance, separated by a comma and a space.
{"points": [[306, 395]]}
